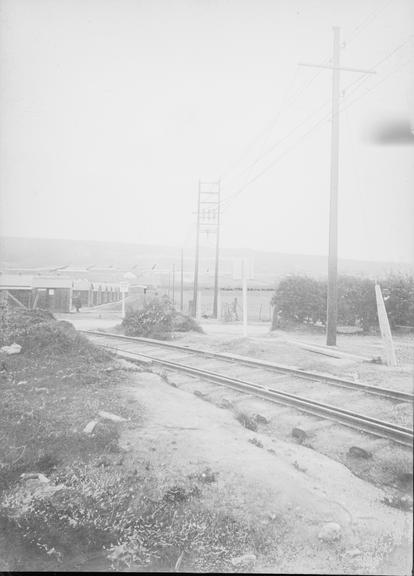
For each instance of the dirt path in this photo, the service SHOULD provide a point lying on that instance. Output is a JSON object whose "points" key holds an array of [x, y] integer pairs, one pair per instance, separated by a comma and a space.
{"points": [[285, 484]]}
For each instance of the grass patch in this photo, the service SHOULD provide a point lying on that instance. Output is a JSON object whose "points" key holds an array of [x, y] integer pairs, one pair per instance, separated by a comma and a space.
{"points": [[94, 513]]}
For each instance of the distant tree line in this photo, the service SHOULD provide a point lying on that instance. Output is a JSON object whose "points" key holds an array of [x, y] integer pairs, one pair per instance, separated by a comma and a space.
{"points": [[302, 300]]}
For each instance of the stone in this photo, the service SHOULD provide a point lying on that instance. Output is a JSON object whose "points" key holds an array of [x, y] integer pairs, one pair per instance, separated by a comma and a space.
{"points": [[89, 428], [21, 383], [110, 416], [35, 476], [12, 349], [245, 560], [359, 452], [225, 403], [330, 532], [354, 552], [299, 434], [261, 419]]}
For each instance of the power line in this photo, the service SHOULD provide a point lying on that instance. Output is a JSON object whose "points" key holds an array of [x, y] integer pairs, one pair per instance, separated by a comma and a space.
{"points": [[354, 33], [325, 118], [354, 85], [365, 22]]}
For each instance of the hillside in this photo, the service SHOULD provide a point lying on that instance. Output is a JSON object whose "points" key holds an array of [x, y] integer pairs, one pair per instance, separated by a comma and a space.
{"points": [[114, 258]]}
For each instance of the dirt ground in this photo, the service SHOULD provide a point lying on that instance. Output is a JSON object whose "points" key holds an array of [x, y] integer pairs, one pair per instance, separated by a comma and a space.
{"points": [[269, 481], [264, 477]]}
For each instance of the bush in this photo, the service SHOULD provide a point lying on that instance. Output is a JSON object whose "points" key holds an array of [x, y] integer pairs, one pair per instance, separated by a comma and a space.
{"points": [[157, 319], [398, 291], [300, 299], [16, 322]]}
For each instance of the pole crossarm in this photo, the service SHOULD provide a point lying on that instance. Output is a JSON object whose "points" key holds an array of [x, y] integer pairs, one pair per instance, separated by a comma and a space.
{"points": [[341, 68]]}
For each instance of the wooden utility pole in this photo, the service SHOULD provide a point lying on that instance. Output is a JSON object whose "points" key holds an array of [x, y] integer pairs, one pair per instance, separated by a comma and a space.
{"points": [[197, 258], [332, 303], [208, 220], [216, 270], [173, 284], [244, 284], [182, 282]]}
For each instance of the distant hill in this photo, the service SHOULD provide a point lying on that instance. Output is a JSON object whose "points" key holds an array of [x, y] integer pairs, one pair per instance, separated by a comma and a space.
{"points": [[112, 259]]}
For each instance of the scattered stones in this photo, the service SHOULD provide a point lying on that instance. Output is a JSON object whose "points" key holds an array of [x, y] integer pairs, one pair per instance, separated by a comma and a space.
{"points": [[247, 421], [299, 434], [359, 452], [226, 403], [299, 467], [261, 419], [110, 416], [247, 560], [12, 349], [397, 501], [256, 442], [330, 532]]}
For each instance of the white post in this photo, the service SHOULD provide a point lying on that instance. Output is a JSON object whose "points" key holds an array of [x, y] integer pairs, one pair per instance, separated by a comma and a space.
{"points": [[124, 289], [123, 304], [244, 280], [385, 328], [198, 311]]}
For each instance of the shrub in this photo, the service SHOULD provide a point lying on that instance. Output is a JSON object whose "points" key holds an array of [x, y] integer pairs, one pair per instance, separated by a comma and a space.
{"points": [[154, 320], [398, 291], [157, 319], [300, 299], [16, 322]]}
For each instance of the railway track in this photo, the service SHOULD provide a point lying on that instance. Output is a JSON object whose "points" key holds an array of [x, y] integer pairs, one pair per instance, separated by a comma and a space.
{"points": [[156, 352]]}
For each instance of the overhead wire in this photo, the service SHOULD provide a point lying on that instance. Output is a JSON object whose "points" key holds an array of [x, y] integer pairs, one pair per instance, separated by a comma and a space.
{"points": [[355, 84]]}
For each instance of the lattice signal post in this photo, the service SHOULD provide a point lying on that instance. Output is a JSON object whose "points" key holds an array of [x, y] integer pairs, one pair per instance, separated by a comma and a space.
{"points": [[208, 221]]}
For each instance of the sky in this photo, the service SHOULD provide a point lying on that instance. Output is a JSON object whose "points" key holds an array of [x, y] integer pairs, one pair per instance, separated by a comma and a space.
{"points": [[113, 111]]}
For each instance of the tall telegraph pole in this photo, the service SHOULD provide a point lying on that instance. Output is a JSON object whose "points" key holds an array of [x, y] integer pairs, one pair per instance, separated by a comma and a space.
{"points": [[332, 304], [182, 281], [208, 220]]}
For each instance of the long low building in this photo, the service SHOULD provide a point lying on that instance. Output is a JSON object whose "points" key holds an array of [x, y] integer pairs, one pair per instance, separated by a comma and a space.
{"points": [[55, 293]]}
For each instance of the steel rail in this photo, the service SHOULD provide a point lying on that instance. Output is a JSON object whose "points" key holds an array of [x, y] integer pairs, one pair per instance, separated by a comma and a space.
{"points": [[348, 418], [281, 368]]}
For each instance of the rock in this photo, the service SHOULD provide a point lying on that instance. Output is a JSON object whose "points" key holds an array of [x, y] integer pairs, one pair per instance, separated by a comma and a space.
{"points": [[225, 403], [245, 560], [21, 383], [358, 452], [110, 416], [354, 552], [90, 427], [42, 389], [330, 532], [299, 434], [12, 349], [261, 419], [199, 394], [35, 476]]}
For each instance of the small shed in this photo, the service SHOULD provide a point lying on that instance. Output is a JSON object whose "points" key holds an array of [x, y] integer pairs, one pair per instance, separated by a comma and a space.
{"points": [[17, 289], [52, 293]]}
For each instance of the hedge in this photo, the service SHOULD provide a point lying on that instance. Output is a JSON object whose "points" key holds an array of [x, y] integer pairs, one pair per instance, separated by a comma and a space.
{"points": [[301, 299]]}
